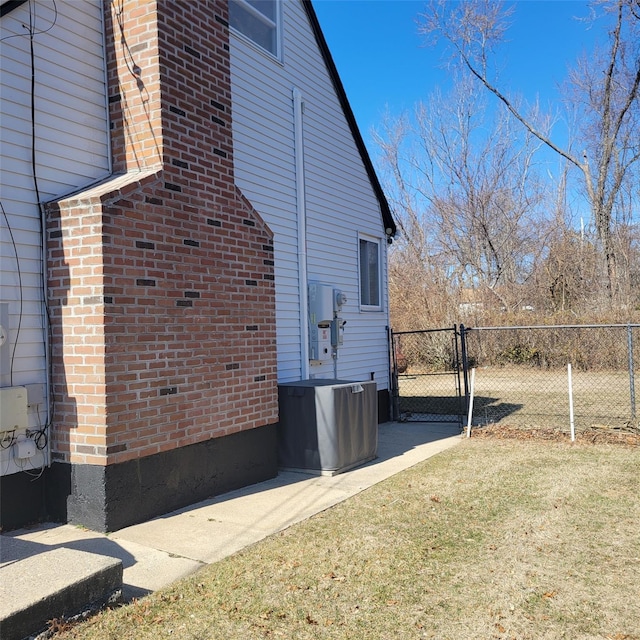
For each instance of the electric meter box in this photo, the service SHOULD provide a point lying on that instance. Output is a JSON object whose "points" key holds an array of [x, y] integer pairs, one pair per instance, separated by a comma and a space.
{"points": [[321, 301], [325, 328], [320, 339]]}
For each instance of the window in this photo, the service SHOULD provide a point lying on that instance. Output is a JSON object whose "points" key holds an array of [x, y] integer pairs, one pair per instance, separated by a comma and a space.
{"points": [[258, 20], [370, 273]]}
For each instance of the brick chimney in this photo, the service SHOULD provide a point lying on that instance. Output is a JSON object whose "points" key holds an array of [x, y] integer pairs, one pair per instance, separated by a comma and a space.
{"points": [[162, 290]]}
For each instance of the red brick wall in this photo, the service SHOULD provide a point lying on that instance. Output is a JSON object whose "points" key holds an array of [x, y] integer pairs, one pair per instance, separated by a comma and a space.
{"points": [[77, 333], [162, 282]]}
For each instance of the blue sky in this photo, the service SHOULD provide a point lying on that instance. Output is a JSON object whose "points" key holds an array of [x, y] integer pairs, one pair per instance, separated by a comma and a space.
{"points": [[383, 62]]}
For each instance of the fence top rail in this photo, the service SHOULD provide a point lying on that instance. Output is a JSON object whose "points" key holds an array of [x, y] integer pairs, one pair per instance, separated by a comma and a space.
{"points": [[557, 326], [404, 333]]}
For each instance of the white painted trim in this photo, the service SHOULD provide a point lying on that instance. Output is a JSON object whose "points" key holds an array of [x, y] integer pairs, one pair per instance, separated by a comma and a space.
{"points": [[376, 308], [278, 24]]}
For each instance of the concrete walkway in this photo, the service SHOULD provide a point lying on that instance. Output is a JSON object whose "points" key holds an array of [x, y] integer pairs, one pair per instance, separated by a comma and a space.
{"points": [[156, 553]]}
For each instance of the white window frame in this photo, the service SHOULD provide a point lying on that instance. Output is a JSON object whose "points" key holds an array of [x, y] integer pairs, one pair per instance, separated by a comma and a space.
{"points": [[365, 306], [256, 13]]}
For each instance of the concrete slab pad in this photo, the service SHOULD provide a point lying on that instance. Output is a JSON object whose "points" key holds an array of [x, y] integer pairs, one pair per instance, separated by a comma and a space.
{"points": [[152, 569], [214, 531], [145, 568], [278, 507], [37, 587], [200, 541]]}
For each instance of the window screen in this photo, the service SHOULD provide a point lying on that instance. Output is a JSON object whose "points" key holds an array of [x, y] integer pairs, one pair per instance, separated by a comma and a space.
{"points": [[369, 273], [257, 20]]}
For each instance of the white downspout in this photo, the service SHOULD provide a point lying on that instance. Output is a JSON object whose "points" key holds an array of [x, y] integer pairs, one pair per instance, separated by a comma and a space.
{"points": [[385, 289], [298, 110], [106, 90], [47, 342]]}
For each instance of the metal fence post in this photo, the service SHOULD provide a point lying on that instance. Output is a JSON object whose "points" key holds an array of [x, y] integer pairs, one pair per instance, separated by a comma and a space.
{"points": [[457, 357], [465, 365], [395, 386], [632, 387]]}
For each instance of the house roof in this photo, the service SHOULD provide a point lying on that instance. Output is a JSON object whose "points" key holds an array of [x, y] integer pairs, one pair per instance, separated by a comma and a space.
{"points": [[389, 223], [7, 6]]}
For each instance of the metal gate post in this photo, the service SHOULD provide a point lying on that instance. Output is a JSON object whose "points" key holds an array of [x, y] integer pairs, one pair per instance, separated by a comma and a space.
{"points": [[395, 385], [458, 366], [632, 387], [465, 365]]}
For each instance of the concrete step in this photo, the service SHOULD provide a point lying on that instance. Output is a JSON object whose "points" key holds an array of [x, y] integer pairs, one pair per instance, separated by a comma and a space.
{"points": [[39, 585]]}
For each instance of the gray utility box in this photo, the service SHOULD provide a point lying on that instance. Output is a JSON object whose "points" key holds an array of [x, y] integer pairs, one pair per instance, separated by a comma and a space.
{"points": [[327, 426]]}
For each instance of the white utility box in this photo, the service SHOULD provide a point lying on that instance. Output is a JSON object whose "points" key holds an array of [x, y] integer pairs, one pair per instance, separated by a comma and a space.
{"points": [[13, 408]]}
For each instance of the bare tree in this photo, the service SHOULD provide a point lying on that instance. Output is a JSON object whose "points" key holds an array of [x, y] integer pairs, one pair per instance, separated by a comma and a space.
{"points": [[464, 188], [605, 93]]}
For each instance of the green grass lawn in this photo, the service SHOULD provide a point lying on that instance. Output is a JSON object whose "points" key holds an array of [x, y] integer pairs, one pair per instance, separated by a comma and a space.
{"points": [[490, 539]]}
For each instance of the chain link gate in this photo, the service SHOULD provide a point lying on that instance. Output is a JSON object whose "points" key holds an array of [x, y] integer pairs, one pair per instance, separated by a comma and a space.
{"points": [[427, 376]]}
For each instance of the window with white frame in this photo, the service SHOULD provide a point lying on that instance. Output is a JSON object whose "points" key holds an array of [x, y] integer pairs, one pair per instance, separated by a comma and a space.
{"points": [[258, 20], [370, 273]]}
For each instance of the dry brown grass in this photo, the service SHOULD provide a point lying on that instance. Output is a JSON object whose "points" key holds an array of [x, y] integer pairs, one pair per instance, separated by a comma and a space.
{"points": [[491, 539]]}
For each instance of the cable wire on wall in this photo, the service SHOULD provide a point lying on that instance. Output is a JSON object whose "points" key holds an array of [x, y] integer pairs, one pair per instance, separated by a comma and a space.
{"points": [[20, 289], [46, 316]]}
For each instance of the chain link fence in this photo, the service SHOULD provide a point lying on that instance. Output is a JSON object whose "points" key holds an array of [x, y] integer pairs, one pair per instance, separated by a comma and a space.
{"points": [[522, 378]]}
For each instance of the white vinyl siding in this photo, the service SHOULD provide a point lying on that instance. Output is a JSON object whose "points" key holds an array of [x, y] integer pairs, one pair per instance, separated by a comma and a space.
{"points": [[72, 151], [340, 201]]}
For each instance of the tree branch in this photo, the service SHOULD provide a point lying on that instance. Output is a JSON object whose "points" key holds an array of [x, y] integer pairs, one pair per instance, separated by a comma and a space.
{"points": [[544, 139]]}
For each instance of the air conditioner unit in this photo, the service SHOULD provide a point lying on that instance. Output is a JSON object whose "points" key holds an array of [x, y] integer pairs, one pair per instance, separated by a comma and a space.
{"points": [[327, 426]]}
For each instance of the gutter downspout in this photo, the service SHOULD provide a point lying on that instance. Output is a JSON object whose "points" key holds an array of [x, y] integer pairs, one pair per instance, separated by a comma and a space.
{"points": [[106, 90], [390, 360], [301, 217]]}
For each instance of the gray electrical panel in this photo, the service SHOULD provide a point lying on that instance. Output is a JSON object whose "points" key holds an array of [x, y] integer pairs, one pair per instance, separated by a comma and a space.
{"points": [[327, 426]]}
